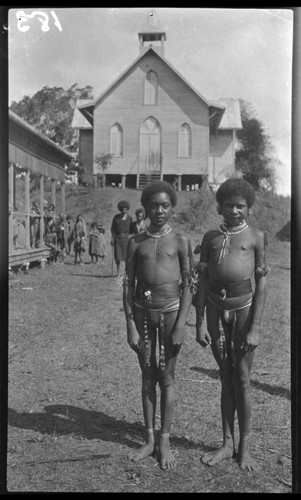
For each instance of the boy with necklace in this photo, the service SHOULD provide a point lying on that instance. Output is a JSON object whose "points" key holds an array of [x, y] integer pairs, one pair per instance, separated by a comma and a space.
{"points": [[230, 257], [158, 287]]}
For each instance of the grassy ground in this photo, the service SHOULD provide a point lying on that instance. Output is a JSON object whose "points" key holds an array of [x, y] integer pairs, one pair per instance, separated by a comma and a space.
{"points": [[74, 385]]}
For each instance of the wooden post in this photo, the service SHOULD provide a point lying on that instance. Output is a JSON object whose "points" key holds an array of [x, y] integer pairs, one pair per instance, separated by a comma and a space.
{"points": [[123, 181], [63, 195], [53, 194], [11, 207], [41, 242], [233, 151], [27, 209], [161, 168], [180, 182]]}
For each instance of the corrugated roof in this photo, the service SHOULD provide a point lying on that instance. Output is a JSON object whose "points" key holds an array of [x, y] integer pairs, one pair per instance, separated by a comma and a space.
{"points": [[13, 116]]}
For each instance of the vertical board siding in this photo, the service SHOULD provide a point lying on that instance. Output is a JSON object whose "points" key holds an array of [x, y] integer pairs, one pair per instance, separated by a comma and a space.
{"points": [[221, 158], [86, 149], [177, 104]]}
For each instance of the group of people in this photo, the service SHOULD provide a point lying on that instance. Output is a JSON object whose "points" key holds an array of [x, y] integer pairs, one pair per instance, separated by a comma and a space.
{"points": [[160, 284], [64, 235], [122, 227]]}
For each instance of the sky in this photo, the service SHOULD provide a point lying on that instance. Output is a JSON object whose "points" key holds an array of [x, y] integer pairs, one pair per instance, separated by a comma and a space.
{"points": [[223, 53]]}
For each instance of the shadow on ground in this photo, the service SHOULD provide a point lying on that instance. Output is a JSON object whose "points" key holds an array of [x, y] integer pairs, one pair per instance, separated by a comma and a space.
{"points": [[270, 389], [67, 419]]}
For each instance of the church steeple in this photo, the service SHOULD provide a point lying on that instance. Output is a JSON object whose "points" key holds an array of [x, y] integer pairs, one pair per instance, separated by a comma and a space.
{"points": [[151, 34]]}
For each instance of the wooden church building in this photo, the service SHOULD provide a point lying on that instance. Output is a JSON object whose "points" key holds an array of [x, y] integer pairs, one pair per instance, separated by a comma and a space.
{"points": [[155, 125]]}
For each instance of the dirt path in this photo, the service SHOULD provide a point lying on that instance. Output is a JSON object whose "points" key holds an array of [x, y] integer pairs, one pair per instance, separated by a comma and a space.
{"points": [[74, 394]]}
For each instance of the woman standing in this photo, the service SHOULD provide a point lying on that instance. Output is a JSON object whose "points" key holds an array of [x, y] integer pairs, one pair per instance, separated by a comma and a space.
{"points": [[120, 229]]}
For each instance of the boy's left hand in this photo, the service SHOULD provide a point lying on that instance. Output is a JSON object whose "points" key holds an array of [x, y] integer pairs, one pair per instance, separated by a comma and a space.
{"points": [[251, 340], [177, 338]]}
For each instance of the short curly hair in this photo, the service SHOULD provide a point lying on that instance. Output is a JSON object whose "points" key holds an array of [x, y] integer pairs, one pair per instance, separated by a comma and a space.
{"points": [[158, 187], [236, 186], [123, 204]]}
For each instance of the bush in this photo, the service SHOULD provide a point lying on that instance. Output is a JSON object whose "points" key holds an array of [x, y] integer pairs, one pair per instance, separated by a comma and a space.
{"points": [[200, 211]]}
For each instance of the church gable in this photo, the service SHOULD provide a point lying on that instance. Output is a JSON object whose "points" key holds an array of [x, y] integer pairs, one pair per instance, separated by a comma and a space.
{"points": [[153, 122], [173, 97]]}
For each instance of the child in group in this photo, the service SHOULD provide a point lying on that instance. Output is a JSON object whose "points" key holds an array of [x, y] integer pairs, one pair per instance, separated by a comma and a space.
{"points": [[140, 223], [79, 247], [49, 217], [230, 257], [60, 225], [102, 242], [51, 241], [157, 293], [96, 243], [68, 233], [79, 226]]}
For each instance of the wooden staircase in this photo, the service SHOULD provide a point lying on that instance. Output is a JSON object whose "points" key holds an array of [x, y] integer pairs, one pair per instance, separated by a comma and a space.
{"points": [[145, 178]]}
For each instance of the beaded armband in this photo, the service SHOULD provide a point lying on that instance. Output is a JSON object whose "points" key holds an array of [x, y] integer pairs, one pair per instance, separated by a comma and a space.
{"points": [[199, 319], [191, 280], [261, 271], [126, 281], [129, 315]]}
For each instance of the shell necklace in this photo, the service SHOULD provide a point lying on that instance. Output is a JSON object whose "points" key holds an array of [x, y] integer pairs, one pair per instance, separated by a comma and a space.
{"points": [[229, 231], [156, 236]]}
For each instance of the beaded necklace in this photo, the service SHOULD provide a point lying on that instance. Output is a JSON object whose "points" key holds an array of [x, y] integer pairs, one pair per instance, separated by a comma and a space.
{"points": [[156, 236], [227, 232]]}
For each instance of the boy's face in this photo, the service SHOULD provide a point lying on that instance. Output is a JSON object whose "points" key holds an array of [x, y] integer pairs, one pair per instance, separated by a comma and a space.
{"points": [[159, 209], [234, 210]]}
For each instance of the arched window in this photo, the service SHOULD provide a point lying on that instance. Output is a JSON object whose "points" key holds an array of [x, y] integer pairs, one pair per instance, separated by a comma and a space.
{"points": [[116, 141], [184, 141], [150, 88], [150, 145]]}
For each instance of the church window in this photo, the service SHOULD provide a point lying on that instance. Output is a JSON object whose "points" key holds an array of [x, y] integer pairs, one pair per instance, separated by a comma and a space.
{"points": [[151, 88], [116, 140], [184, 141]]}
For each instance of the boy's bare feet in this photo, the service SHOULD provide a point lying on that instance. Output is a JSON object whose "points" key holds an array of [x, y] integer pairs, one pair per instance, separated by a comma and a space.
{"points": [[146, 450], [167, 460], [215, 456], [245, 459]]}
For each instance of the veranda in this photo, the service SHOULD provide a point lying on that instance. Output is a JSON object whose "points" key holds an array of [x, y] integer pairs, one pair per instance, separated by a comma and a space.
{"points": [[36, 179]]}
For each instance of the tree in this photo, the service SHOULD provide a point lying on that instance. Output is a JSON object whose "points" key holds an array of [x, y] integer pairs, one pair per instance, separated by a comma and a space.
{"points": [[50, 111], [255, 156]]}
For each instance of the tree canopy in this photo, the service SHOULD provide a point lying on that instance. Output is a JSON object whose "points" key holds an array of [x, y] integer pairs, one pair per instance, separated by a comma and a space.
{"points": [[50, 111], [255, 155]]}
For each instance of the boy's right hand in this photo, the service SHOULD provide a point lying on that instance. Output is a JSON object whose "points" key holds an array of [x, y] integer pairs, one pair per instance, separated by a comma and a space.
{"points": [[202, 336], [134, 339]]}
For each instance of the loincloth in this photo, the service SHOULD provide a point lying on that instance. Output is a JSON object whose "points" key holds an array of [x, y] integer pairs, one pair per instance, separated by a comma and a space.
{"points": [[156, 301], [231, 289], [155, 296], [227, 310]]}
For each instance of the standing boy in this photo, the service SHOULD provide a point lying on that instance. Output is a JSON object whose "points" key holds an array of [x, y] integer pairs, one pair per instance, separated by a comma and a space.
{"points": [[157, 295], [230, 257]]}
